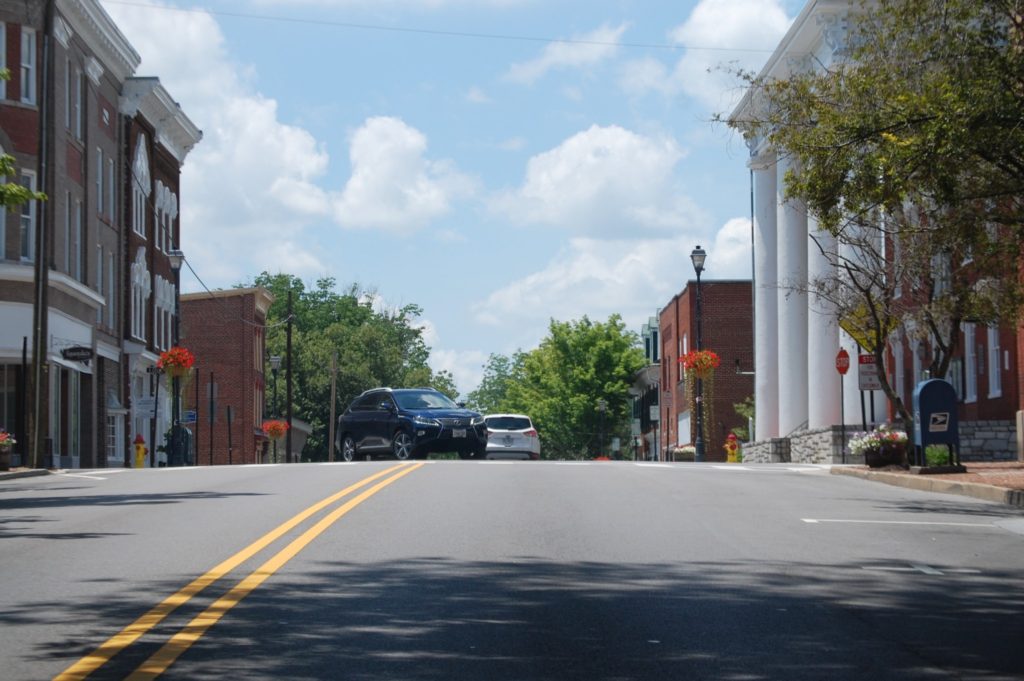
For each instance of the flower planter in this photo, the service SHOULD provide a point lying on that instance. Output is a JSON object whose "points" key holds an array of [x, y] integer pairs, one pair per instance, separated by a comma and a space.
{"points": [[888, 455], [5, 458]]}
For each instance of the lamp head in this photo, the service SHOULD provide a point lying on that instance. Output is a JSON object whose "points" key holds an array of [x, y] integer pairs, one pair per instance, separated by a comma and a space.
{"points": [[177, 258], [697, 257], [275, 362]]}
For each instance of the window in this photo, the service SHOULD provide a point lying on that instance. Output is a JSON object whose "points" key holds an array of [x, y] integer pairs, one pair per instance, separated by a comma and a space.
{"points": [[970, 365], [67, 232], [995, 374], [28, 218], [897, 383], [141, 290], [140, 187], [99, 282], [68, 101], [113, 437], [79, 104], [28, 66], [111, 291], [3, 180], [111, 190], [79, 237], [101, 171], [3, 59]]}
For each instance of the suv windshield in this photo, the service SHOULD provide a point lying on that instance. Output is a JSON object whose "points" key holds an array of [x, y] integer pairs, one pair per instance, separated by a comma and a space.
{"points": [[423, 399], [508, 423]]}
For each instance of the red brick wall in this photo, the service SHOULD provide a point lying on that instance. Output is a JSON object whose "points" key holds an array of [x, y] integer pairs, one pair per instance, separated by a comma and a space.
{"points": [[727, 328], [225, 334]]}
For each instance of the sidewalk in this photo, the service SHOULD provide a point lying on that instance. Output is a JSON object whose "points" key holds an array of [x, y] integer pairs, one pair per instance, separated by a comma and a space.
{"points": [[23, 473], [1002, 483]]}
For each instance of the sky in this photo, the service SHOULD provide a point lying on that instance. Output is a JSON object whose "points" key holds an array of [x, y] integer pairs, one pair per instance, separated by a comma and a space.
{"points": [[498, 163]]}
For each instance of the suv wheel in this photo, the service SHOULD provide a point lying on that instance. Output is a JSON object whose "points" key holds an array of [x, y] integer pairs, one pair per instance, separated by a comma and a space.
{"points": [[348, 449], [401, 445]]}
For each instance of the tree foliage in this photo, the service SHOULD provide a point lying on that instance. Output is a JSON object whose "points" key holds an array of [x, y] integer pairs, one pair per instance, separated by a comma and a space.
{"points": [[375, 347], [909, 153], [560, 383], [500, 373]]}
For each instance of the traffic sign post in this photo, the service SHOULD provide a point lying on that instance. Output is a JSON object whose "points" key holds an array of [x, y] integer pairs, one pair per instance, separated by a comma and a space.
{"points": [[867, 373], [842, 361], [842, 366]]}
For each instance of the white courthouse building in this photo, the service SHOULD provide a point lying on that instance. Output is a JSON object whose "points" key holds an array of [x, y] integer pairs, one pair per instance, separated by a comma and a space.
{"points": [[796, 336]]}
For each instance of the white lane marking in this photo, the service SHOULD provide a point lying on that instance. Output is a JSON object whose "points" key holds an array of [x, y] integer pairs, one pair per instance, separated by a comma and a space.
{"points": [[655, 465], [987, 526], [732, 467], [81, 475]]}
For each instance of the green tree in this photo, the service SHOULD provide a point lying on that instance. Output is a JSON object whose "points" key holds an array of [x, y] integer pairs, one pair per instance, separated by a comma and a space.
{"points": [[375, 347], [499, 373], [910, 156], [560, 383]]}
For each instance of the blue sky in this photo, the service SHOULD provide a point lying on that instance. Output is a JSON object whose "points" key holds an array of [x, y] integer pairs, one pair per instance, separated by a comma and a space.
{"points": [[497, 162]]}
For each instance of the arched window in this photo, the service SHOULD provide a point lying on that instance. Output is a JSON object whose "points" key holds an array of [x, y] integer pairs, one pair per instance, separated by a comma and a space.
{"points": [[142, 186]]}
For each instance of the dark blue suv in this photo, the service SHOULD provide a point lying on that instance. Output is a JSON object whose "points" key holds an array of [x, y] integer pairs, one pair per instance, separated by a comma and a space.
{"points": [[409, 423]]}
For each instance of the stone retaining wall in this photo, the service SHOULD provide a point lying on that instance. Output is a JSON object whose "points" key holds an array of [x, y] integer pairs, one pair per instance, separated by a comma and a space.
{"points": [[979, 441]]}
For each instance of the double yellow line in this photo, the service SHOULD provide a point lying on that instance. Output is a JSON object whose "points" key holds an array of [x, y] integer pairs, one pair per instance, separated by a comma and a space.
{"points": [[162, 659]]}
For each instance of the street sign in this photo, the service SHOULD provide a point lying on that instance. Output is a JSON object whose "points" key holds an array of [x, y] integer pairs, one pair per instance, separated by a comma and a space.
{"points": [[189, 416], [842, 361], [867, 373], [144, 403], [77, 353]]}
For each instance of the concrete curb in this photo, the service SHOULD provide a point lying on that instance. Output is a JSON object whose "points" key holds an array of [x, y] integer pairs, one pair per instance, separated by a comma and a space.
{"points": [[28, 473], [930, 483]]}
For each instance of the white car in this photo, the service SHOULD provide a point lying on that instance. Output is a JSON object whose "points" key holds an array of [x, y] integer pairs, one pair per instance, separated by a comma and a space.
{"points": [[511, 436]]}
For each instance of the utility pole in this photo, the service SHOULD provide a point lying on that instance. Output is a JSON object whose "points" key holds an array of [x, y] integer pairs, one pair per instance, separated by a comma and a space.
{"points": [[288, 389], [334, 391]]}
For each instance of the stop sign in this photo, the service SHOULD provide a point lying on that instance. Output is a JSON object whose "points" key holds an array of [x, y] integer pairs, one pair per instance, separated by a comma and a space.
{"points": [[842, 361]]}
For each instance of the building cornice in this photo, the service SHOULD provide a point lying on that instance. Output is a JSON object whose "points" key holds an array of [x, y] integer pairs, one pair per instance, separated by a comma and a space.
{"points": [[89, 20], [146, 97]]}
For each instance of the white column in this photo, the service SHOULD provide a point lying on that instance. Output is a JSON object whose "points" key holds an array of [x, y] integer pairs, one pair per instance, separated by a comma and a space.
{"points": [[822, 334], [792, 312], [766, 345]]}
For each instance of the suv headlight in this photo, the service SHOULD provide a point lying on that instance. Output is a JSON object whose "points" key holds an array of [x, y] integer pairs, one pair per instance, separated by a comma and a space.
{"points": [[424, 421], [477, 420]]}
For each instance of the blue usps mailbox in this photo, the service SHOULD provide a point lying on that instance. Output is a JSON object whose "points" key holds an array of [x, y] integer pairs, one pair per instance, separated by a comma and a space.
{"points": [[935, 419]]}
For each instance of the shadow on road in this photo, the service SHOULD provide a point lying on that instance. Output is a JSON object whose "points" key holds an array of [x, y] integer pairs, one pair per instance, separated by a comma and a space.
{"points": [[530, 618]]}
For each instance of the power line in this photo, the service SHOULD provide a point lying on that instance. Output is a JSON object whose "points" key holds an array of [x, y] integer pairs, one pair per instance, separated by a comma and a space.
{"points": [[435, 32]]}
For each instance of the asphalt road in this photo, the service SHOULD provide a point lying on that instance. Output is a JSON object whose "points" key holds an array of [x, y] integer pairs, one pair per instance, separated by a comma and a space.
{"points": [[504, 570]]}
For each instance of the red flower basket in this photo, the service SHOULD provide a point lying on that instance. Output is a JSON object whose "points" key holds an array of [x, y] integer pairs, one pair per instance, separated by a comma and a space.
{"points": [[176, 362], [701, 362], [275, 429]]}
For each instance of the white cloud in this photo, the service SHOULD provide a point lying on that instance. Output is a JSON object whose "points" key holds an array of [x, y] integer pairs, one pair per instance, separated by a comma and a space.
{"points": [[393, 185], [604, 181], [597, 278], [712, 36], [638, 76], [584, 50], [477, 96], [716, 26], [466, 367], [244, 182], [512, 144]]}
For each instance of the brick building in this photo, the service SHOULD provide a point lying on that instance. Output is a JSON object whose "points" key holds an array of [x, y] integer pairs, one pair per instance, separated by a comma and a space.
{"points": [[71, 116], [225, 332], [727, 329]]}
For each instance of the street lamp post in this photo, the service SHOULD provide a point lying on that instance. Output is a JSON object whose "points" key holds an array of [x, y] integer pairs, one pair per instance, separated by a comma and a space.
{"points": [[275, 364], [176, 458], [697, 257], [602, 406]]}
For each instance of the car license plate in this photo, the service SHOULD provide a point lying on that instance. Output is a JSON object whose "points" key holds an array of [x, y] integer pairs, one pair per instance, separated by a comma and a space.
{"points": [[459, 432]]}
